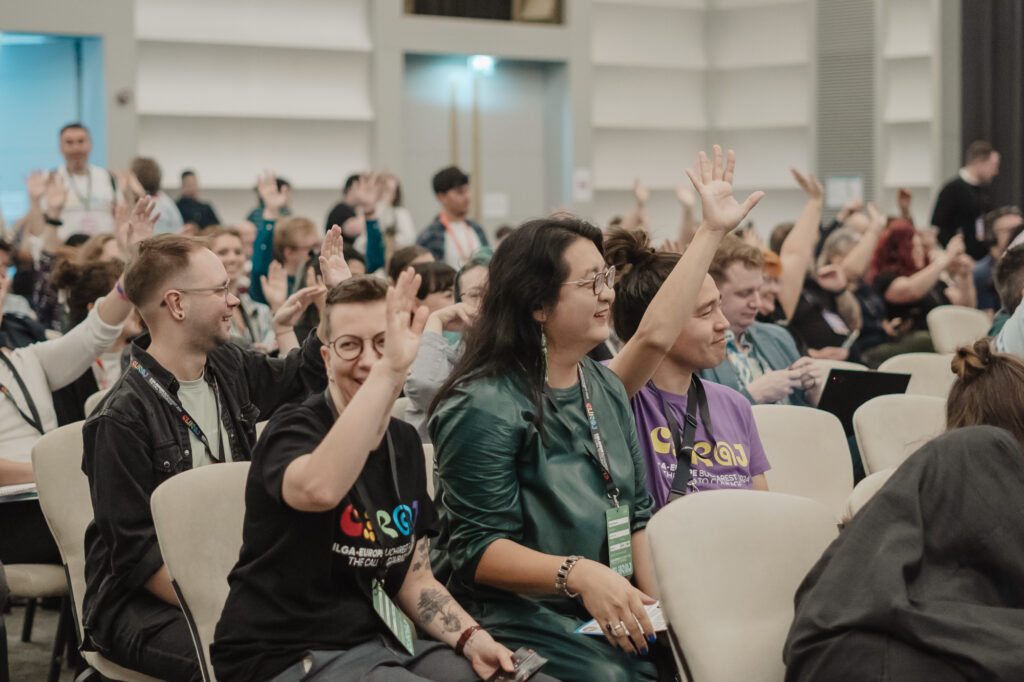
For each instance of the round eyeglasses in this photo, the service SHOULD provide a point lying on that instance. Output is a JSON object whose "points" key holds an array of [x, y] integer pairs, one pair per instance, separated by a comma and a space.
{"points": [[349, 347], [598, 281]]}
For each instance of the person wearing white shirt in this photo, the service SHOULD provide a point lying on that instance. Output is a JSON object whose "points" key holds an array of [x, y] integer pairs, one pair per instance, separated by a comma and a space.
{"points": [[91, 189], [149, 175]]}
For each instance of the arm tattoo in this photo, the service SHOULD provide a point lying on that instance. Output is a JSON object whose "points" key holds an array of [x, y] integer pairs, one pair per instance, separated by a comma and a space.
{"points": [[435, 603], [422, 558]]}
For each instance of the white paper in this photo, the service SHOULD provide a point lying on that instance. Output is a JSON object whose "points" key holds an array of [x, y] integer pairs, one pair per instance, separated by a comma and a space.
{"points": [[840, 189], [17, 489], [582, 185], [496, 205], [653, 612]]}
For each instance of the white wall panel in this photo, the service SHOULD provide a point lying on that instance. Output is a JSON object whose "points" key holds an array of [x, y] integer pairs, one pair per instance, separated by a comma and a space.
{"points": [[763, 158], [648, 98], [648, 36], [762, 98], [658, 158], [760, 36]]}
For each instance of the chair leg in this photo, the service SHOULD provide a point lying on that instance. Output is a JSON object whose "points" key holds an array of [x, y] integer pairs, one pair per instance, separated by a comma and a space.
{"points": [[5, 675], [60, 641], [30, 616]]}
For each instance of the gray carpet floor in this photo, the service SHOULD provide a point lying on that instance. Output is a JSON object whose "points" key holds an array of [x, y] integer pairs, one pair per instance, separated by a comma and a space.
{"points": [[30, 662]]}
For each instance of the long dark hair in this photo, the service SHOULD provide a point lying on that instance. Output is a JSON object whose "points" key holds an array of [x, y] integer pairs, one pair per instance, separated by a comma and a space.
{"points": [[526, 275]]}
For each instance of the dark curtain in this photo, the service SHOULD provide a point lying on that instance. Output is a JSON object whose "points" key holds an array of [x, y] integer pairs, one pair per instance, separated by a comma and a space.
{"points": [[992, 103], [473, 9]]}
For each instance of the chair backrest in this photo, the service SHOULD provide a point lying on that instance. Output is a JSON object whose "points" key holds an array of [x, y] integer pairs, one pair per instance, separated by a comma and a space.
{"points": [[399, 408], [952, 326], [428, 454], [728, 563], [93, 400], [930, 373], [198, 516], [864, 491], [808, 453], [890, 428], [65, 502]]}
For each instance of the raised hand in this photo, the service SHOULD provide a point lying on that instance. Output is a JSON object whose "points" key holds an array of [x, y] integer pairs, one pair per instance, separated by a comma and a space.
{"points": [[139, 225], [273, 198], [275, 285], [686, 196], [405, 323], [849, 208], [831, 278], [641, 192], [809, 184], [672, 246], [876, 217], [291, 310], [367, 192], [129, 185], [332, 258], [955, 247], [721, 211], [56, 195], [457, 317], [903, 199], [35, 183]]}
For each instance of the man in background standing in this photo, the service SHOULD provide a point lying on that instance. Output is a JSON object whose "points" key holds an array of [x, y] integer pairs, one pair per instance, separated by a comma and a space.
{"points": [[452, 237], [91, 189], [964, 200]]}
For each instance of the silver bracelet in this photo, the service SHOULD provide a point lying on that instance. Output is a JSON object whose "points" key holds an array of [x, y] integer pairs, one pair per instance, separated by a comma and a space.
{"points": [[562, 578]]}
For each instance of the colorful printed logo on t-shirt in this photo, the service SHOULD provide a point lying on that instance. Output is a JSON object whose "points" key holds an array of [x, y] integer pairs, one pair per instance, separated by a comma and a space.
{"points": [[396, 523]]}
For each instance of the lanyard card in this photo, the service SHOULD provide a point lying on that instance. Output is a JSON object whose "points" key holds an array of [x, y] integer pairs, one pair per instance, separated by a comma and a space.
{"points": [[620, 541], [392, 617]]}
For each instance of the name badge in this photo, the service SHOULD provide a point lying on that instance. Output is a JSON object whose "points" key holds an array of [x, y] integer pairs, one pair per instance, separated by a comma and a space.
{"points": [[620, 540], [392, 617]]}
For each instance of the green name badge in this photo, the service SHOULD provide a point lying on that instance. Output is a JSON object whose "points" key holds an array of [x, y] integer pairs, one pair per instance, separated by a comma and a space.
{"points": [[620, 540], [392, 616]]}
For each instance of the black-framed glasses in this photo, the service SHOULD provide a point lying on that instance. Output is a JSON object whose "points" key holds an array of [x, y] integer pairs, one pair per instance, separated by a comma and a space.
{"points": [[348, 347], [598, 281], [223, 290]]}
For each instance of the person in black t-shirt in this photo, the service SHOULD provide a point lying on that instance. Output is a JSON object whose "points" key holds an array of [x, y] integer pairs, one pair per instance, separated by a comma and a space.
{"points": [[336, 506], [910, 280], [964, 200]]}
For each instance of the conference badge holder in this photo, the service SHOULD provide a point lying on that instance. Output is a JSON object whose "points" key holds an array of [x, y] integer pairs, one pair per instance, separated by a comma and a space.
{"points": [[620, 541], [392, 617]]}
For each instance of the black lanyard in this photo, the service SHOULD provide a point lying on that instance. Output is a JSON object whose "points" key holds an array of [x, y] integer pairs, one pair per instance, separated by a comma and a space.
{"points": [[696, 399], [35, 421], [190, 422], [595, 434], [248, 324], [364, 496]]}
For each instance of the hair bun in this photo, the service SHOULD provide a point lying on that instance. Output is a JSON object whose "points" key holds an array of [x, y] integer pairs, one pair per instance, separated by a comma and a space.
{"points": [[969, 362], [626, 249]]}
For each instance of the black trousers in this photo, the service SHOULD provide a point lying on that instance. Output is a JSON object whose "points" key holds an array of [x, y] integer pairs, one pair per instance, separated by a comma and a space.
{"points": [[152, 637], [24, 536]]}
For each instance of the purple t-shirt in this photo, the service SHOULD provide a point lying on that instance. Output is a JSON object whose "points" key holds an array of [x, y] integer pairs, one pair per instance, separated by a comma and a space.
{"points": [[738, 457]]}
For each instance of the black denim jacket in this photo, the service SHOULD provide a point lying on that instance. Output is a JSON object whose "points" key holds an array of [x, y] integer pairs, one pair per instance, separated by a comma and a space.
{"points": [[134, 441]]}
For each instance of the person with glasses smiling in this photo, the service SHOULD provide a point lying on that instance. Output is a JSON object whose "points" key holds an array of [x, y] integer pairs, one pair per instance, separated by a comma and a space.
{"points": [[338, 524], [187, 398]]}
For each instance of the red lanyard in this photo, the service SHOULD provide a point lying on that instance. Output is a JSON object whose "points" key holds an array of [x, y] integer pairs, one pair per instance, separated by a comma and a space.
{"points": [[463, 256]]}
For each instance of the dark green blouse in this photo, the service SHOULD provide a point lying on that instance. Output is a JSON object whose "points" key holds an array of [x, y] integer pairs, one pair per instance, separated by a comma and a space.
{"points": [[499, 480]]}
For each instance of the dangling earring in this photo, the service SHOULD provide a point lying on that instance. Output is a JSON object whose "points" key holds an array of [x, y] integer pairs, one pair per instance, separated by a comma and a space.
{"points": [[544, 352]]}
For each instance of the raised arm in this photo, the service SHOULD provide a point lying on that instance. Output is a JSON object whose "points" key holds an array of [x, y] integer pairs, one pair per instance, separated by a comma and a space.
{"points": [[910, 288], [797, 250], [637, 219], [856, 261], [672, 306], [318, 481]]}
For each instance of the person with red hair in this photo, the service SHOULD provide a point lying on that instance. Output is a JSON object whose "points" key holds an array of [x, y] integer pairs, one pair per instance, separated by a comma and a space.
{"points": [[912, 281]]}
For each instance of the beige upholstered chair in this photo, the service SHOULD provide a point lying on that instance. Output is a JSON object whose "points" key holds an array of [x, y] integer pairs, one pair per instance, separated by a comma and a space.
{"points": [[864, 491], [930, 373], [212, 498], [952, 326], [728, 563], [64, 498], [890, 428], [808, 453], [399, 408], [92, 401]]}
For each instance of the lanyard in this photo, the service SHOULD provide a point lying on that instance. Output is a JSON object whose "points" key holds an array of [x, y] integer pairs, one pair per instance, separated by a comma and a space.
{"points": [[463, 256], [364, 495], [86, 201], [190, 422], [35, 421], [595, 434], [696, 399], [248, 323]]}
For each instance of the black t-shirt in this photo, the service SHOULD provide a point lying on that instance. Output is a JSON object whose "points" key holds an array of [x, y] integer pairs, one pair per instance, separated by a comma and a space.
{"points": [[915, 310], [303, 579], [816, 322], [957, 210], [194, 211]]}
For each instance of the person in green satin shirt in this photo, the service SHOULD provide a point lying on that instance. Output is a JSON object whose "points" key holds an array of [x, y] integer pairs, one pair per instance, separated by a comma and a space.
{"points": [[519, 472]]}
